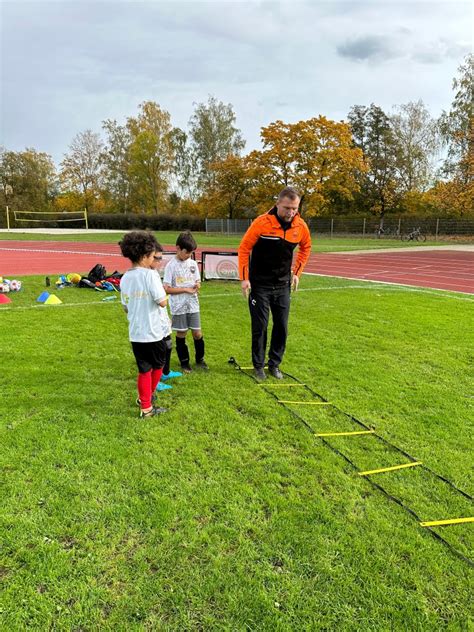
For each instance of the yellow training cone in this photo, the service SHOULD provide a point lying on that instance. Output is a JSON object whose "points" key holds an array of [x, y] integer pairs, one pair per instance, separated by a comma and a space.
{"points": [[52, 300]]}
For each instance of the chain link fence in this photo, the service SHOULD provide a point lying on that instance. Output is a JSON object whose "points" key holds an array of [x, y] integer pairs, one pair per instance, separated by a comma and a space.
{"points": [[393, 227]]}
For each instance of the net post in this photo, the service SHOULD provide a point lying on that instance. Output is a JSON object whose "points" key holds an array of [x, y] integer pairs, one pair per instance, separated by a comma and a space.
{"points": [[8, 218], [85, 217]]}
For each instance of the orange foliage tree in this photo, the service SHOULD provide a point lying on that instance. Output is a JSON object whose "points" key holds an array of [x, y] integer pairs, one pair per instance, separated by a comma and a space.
{"points": [[316, 156]]}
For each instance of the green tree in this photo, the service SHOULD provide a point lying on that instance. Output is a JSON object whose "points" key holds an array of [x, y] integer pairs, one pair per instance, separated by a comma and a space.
{"points": [[184, 166], [32, 178], [81, 168], [416, 146], [213, 137], [151, 157], [373, 134], [116, 162], [457, 126]]}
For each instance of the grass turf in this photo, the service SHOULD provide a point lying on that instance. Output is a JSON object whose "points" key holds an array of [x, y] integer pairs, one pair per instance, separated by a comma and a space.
{"points": [[226, 513]]}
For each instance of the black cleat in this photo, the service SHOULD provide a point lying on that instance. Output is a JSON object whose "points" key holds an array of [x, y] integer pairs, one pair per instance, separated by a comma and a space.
{"points": [[275, 372], [260, 375], [152, 412]]}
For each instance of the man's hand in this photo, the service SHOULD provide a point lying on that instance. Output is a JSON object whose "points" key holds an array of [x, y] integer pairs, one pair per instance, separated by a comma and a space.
{"points": [[295, 282], [245, 286]]}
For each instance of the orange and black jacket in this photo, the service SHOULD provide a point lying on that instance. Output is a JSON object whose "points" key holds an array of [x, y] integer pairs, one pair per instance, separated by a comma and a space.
{"points": [[266, 250]]}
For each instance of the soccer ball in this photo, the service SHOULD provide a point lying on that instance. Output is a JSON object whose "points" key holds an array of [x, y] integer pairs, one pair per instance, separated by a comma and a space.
{"points": [[15, 285], [73, 277], [4, 287]]}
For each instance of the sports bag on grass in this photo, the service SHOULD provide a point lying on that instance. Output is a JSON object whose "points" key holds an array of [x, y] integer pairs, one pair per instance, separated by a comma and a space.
{"points": [[98, 273]]}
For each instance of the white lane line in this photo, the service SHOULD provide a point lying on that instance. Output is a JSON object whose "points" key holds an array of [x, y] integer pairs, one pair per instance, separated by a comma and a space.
{"points": [[407, 285]]}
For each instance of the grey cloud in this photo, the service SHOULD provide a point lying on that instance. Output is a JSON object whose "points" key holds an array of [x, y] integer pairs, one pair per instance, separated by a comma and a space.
{"points": [[367, 48]]}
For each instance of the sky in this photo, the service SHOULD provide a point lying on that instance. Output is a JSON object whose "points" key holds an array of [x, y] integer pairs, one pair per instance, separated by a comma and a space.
{"points": [[66, 66]]}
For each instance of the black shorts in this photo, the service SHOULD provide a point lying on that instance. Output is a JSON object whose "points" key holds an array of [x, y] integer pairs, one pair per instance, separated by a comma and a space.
{"points": [[149, 355]]}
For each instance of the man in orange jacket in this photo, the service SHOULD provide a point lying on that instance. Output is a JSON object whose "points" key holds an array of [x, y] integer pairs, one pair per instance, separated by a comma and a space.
{"points": [[267, 275]]}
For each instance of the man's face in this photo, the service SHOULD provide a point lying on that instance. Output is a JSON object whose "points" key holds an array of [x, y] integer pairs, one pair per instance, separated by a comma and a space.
{"points": [[287, 208]]}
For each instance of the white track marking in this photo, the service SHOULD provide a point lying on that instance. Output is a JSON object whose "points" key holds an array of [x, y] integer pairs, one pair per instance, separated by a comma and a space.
{"points": [[63, 252]]}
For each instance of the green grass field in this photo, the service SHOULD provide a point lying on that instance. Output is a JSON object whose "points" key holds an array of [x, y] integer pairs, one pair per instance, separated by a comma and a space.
{"points": [[226, 513], [321, 243]]}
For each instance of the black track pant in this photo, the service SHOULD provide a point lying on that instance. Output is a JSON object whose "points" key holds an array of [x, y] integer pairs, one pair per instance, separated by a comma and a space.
{"points": [[262, 301]]}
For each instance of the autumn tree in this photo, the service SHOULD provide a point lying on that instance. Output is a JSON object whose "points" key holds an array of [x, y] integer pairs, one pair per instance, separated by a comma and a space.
{"points": [[213, 137], [151, 157], [32, 178], [81, 168], [315, 156], [230, 195]]}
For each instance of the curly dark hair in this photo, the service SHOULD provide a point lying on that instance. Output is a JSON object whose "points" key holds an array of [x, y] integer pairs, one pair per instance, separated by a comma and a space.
{"points": [[138, 244], [186, 241]]}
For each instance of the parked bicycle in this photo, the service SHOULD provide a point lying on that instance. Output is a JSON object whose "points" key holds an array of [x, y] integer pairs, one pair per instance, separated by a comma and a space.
{"points": [[415, 235]]}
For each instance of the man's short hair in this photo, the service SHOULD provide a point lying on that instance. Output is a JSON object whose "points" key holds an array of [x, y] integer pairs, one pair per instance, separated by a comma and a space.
{"points": [[289, 192]]}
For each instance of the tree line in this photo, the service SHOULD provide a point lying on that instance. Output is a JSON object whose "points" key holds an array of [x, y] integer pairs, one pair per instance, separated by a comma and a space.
{"points": [[374, 162]]}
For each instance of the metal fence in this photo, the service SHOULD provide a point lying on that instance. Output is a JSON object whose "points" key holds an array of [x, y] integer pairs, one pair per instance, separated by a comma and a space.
{"points": [[227, 226], [393, 227]]}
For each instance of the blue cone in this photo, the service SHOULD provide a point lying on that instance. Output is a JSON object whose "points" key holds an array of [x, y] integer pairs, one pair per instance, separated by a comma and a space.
{"points": [[43, 297]]}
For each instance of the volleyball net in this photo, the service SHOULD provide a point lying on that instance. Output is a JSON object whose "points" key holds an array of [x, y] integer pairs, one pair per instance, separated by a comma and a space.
{"points": [[50, 219]]}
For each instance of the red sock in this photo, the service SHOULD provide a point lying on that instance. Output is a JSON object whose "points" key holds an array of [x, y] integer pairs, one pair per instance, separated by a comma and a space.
{"points": [[155, 378], [144, 389]]}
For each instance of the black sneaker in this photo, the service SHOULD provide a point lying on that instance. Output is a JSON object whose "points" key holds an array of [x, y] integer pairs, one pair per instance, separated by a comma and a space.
{"points": [[152, 412], [275, 372], [202, 365], [260, 375], [186, 368]]}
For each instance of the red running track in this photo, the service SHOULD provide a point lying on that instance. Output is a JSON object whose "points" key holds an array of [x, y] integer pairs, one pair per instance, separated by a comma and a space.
{"points": [[440, 269]]}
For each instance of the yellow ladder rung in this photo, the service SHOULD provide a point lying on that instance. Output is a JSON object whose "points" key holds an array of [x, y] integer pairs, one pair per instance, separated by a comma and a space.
{"points": [[284, 401], [344, 434], [246, 368], [390, 469], [436, 523]]}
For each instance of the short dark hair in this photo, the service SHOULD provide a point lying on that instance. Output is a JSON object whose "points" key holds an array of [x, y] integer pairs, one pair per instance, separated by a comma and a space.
{"points": [[138, 244], [186, 241], [289, 192]]}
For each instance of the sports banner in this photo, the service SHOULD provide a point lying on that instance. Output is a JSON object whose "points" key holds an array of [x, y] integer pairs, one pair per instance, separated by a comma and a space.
{"points": [[220, 265]]}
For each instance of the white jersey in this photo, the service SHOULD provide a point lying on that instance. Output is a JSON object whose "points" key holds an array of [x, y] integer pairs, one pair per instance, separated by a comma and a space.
{"points": [[165, 321], [182, 274], [140, 288]]}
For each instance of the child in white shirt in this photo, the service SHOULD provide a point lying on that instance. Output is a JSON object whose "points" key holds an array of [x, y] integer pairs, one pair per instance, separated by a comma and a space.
{"points": [[142, 297], [182, 282]]}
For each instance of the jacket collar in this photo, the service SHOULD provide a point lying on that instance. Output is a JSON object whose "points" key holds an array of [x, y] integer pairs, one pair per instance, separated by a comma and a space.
{"points": [[284, 225]]}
